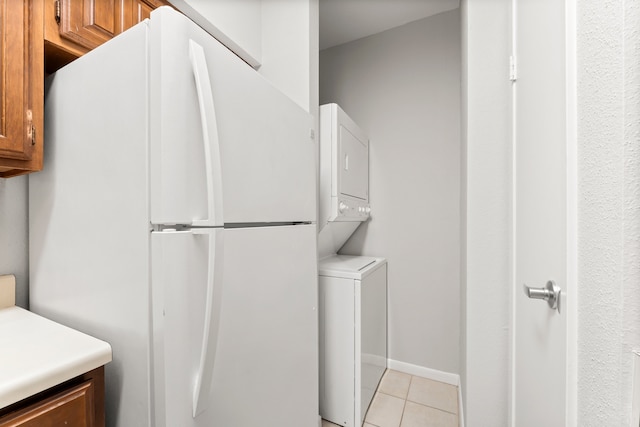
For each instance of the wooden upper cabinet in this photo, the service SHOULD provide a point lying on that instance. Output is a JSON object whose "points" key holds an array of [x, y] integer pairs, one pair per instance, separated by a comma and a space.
{"points": [[90, 23], [140, 10], [47, 34], [21, 87], [14, 83], [74, 27]]}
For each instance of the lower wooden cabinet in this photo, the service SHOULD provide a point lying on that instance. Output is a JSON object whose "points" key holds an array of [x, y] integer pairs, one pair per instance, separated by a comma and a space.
{"points": [[75, 403]]}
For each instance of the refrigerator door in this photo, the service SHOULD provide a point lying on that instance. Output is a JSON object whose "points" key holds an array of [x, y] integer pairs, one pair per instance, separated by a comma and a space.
{"points": [[226, 146], [235, 327]]}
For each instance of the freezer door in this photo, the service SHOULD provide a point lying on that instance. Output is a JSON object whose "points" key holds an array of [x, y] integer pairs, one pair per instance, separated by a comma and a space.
{"points": [[226, 146], [235, 327]]}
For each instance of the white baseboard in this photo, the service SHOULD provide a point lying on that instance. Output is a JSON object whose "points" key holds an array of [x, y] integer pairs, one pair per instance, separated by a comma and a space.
{"points": [[432, 374]]}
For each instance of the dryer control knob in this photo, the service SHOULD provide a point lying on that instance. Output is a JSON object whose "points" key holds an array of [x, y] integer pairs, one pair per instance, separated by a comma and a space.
{"points": [[367, 210], [342, 207]]}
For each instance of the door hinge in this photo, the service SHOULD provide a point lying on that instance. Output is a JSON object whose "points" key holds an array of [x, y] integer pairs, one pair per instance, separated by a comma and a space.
{"points": [[56, 6], [513, 69], [31, 130]]}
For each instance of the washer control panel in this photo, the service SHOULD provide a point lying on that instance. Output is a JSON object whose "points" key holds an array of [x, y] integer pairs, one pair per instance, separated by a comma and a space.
{"points": [[350, 210]]}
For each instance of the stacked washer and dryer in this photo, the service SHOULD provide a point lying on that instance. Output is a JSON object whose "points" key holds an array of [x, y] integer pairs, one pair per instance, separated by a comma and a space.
{"points": [[352, 289]]}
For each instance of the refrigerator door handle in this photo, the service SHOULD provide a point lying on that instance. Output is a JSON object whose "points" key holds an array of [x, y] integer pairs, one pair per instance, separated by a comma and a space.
{"points": [[209, 137], [202, 387]]}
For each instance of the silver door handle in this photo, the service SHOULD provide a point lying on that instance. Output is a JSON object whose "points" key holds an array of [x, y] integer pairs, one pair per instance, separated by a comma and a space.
{"points": [[550, 293]]}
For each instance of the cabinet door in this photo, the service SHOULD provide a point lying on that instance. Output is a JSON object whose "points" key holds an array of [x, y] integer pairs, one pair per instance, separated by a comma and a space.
{"points": [[74, 27], [90, 23], [140, 10], [70, 408], [14, 141], [21, 87]]}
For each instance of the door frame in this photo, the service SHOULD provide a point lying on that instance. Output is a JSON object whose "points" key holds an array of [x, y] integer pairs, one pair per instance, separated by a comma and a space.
{"points": [[570, 291], [572, 211]]}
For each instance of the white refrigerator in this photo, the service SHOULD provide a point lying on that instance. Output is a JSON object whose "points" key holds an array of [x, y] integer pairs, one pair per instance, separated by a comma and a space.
{"points": [[175, 219]]}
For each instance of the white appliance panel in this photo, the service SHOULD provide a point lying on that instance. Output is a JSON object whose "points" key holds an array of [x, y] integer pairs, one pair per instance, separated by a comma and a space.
{"points": [[333, 236], [344, 170], [88, 215], [255, 165], [373, 336], [265, 301], [337, 338], [354, 165], [348, 266], [353, 335]]}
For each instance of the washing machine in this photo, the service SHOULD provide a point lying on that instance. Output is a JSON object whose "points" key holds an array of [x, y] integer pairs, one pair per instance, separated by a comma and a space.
{"points": [[353, 335]]}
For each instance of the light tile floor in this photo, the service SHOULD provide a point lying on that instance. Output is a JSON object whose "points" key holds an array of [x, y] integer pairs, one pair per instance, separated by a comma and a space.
{"points": [[404, 400]]}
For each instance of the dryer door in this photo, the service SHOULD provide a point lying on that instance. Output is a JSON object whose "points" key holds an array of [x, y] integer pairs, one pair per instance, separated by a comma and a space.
{"points": [[354, 165]]}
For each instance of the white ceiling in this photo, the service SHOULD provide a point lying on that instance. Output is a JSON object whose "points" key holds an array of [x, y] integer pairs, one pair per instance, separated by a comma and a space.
{"points": [[342, 21]]}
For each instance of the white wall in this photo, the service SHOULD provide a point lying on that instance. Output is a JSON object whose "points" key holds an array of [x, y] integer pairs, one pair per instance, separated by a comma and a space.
{"points": [[290, 41], [402, 87], [277, 37], [236, 24], [487, 108], [290, 48], [14, 250], [609, 208]]}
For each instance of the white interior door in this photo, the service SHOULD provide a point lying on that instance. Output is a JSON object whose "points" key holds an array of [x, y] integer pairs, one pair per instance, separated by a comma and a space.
{"points": [[541, 213]]}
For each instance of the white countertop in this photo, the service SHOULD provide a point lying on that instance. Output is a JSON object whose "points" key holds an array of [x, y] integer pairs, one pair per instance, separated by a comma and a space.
{"points": [[37, 353]]}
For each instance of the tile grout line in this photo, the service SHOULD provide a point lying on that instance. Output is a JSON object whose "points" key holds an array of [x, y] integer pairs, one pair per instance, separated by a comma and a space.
{"points": [[406, 399], [402, 415], [391, 395], [367, 414], [404, 406], [432, 407]]}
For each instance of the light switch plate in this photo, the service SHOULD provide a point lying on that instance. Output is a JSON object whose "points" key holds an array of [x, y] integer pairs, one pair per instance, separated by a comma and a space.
{"points": [[7, 291]]}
